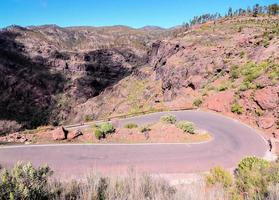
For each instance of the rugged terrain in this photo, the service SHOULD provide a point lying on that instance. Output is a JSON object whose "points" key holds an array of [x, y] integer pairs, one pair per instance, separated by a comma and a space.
{"points": [[54, 75]]}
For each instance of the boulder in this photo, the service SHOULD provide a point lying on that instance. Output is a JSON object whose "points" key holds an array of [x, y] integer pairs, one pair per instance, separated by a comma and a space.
{"points": [[265, 122], [73, 135], [267, 98], [58, 134]]}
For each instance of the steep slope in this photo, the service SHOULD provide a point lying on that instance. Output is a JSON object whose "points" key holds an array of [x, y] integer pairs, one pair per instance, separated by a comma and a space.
{"points": [[48, 70], [229, 66], [85, 73]]}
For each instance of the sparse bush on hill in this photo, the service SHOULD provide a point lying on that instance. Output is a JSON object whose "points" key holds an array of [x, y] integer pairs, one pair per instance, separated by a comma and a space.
{"points": [[197, 102], [234, 72], [170, 119], [223, 87], [131, 125], [186, 126], [251, 71], [237, 108]]}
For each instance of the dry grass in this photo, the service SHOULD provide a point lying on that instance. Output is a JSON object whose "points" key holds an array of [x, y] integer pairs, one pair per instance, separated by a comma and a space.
{"points": [[135, 187]]}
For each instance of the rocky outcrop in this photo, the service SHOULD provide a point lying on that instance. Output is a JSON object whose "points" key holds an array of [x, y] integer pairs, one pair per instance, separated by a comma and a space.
{"points": [[220, 102], [42, 80], [267, 98], [17, 138]]}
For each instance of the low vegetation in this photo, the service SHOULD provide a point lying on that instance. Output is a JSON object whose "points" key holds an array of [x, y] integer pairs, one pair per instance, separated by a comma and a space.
{"points": [[219, 175], [237, 108], [170, 119], [197, 102], [186, 126], [25, 182], [250, 71], [254, 178], [103, 129], [131, 125]]}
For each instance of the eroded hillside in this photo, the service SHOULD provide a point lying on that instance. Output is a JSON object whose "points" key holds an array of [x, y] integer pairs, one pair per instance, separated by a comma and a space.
{"points": [[67, 75]]}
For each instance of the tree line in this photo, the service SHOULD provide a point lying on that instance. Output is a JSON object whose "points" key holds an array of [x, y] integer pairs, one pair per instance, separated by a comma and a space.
{"points": [[255, 11]]}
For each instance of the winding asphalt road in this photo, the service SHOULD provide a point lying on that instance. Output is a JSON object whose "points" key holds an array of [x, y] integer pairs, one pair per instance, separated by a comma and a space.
{"points": [[232, 141]]}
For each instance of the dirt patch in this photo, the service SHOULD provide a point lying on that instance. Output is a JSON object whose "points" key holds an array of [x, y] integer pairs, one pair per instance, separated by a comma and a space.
{"points": [[157, 133]]}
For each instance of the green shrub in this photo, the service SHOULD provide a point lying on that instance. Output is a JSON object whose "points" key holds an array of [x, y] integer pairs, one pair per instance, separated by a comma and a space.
{"points": [[234, 72], [197, 102], [186, 126], [106, 128], [237, 108], [219, 175], [25, 182], [131, 125], [99, 134], [246, 85], [222, 87], [251, 177], [170, 119], [103, 129], [251, 71]]}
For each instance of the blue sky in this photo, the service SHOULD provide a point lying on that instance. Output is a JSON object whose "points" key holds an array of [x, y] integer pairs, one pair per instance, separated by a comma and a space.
{"points": [[135, 13]]}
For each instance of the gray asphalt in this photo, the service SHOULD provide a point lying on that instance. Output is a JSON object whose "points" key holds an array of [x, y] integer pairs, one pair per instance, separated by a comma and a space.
{"points": [[232, 141]]}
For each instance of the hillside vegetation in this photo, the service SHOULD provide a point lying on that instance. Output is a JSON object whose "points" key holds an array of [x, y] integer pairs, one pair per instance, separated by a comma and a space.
{"points": [[54, 75]]}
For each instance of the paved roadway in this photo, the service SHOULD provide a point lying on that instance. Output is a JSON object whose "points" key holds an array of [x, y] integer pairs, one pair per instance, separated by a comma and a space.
{"points": [[232, 141]]}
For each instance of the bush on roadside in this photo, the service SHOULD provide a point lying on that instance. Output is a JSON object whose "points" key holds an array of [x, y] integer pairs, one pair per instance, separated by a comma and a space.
{"points": [[99, 134], [131, 125], [219, 175], [25, 182], [186, 126], [106, 128], [103, 129], [170, 119], [237, 108], [197, 102], [252, 177]]}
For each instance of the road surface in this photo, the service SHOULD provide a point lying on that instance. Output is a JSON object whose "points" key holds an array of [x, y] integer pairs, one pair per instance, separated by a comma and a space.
{"points": [[231, 142]]}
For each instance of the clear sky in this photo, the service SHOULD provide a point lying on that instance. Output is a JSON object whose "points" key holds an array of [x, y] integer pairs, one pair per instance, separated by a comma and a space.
{"points": [[135, 13]]}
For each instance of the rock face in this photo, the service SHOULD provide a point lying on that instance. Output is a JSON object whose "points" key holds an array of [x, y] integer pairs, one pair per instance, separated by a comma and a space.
{"points": [[267, 98], [220, 102], [43, 80]]}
